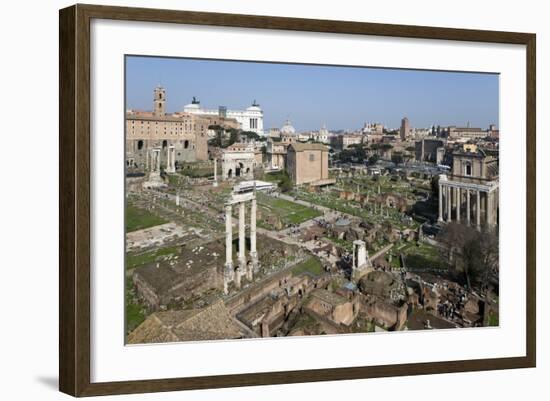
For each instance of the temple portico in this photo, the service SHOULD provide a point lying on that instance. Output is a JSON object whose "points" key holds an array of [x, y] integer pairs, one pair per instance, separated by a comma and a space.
{"points": [[471, 192], [470, 203]]}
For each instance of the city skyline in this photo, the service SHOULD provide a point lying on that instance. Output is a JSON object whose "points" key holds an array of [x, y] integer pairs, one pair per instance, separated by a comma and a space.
{"points": [[341, 97]]}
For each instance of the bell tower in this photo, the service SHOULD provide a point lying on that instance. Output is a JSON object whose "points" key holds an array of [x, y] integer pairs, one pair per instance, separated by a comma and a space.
{"points": [[159, 101]]}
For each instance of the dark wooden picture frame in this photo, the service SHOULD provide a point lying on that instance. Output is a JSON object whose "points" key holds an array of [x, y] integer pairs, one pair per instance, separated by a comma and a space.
{"points": [[74, 199]]}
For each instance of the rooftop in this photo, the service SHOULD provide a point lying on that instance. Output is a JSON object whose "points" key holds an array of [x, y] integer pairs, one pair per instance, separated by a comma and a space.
{"points": [[329, 297], [300, 147], [210, 323]]}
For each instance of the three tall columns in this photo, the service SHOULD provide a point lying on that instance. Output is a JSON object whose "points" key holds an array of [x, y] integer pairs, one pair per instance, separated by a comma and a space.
{"points": [[231, 274]]}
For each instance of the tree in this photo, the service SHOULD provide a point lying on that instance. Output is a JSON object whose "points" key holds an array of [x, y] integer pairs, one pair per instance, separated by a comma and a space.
{"points": [[452, 239], [218, 139], [354, 153], [434, 184], [285, 184], [474, 252], [373, 159], [251, 135], [407, 157], [233, 137], [397, 157], [375, 146]]}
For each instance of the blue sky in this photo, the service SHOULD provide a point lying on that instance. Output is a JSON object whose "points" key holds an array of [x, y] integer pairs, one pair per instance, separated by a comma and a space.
{"points": [[311, 95]]}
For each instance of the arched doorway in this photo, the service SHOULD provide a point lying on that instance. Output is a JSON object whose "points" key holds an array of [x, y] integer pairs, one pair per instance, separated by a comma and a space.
{"points": [[229, 173], [238, 170]]}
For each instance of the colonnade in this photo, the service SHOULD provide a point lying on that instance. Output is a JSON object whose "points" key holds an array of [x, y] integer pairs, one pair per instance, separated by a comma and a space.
{"points": [[477, 200]]}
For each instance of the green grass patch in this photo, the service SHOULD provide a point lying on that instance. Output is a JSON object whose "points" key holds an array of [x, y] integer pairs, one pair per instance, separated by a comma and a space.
{"points": [[135, 313], [138, 219], [311, 265], [289, 212], [347, 245], [274, 176], [151, 256], [422, 256], [306, 323], [492, 319], [197, 172]]}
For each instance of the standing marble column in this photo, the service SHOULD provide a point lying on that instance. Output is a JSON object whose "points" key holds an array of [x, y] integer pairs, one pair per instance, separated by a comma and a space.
{"points": [[173, 159], [228, 269], [158, 160], [458, 202], [171, 165], [488, 208], [253, 251], [440, 203], [468, 206], [478, 209], [215, 172], [242, 237], [449, 204]]}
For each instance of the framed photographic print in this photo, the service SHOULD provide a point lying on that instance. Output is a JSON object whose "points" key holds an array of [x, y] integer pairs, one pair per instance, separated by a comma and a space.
{"points": [[314, 200]]}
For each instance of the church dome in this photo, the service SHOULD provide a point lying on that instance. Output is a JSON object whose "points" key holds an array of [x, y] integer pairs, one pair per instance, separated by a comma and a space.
{"points": [[287, 128]]}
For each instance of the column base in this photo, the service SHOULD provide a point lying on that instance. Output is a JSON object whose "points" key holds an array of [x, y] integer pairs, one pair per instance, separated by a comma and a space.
{"points": [[254, 256], [228, 271], [237, 281], [215, 184], [249, 273], [254, 264], [225, 287]]}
